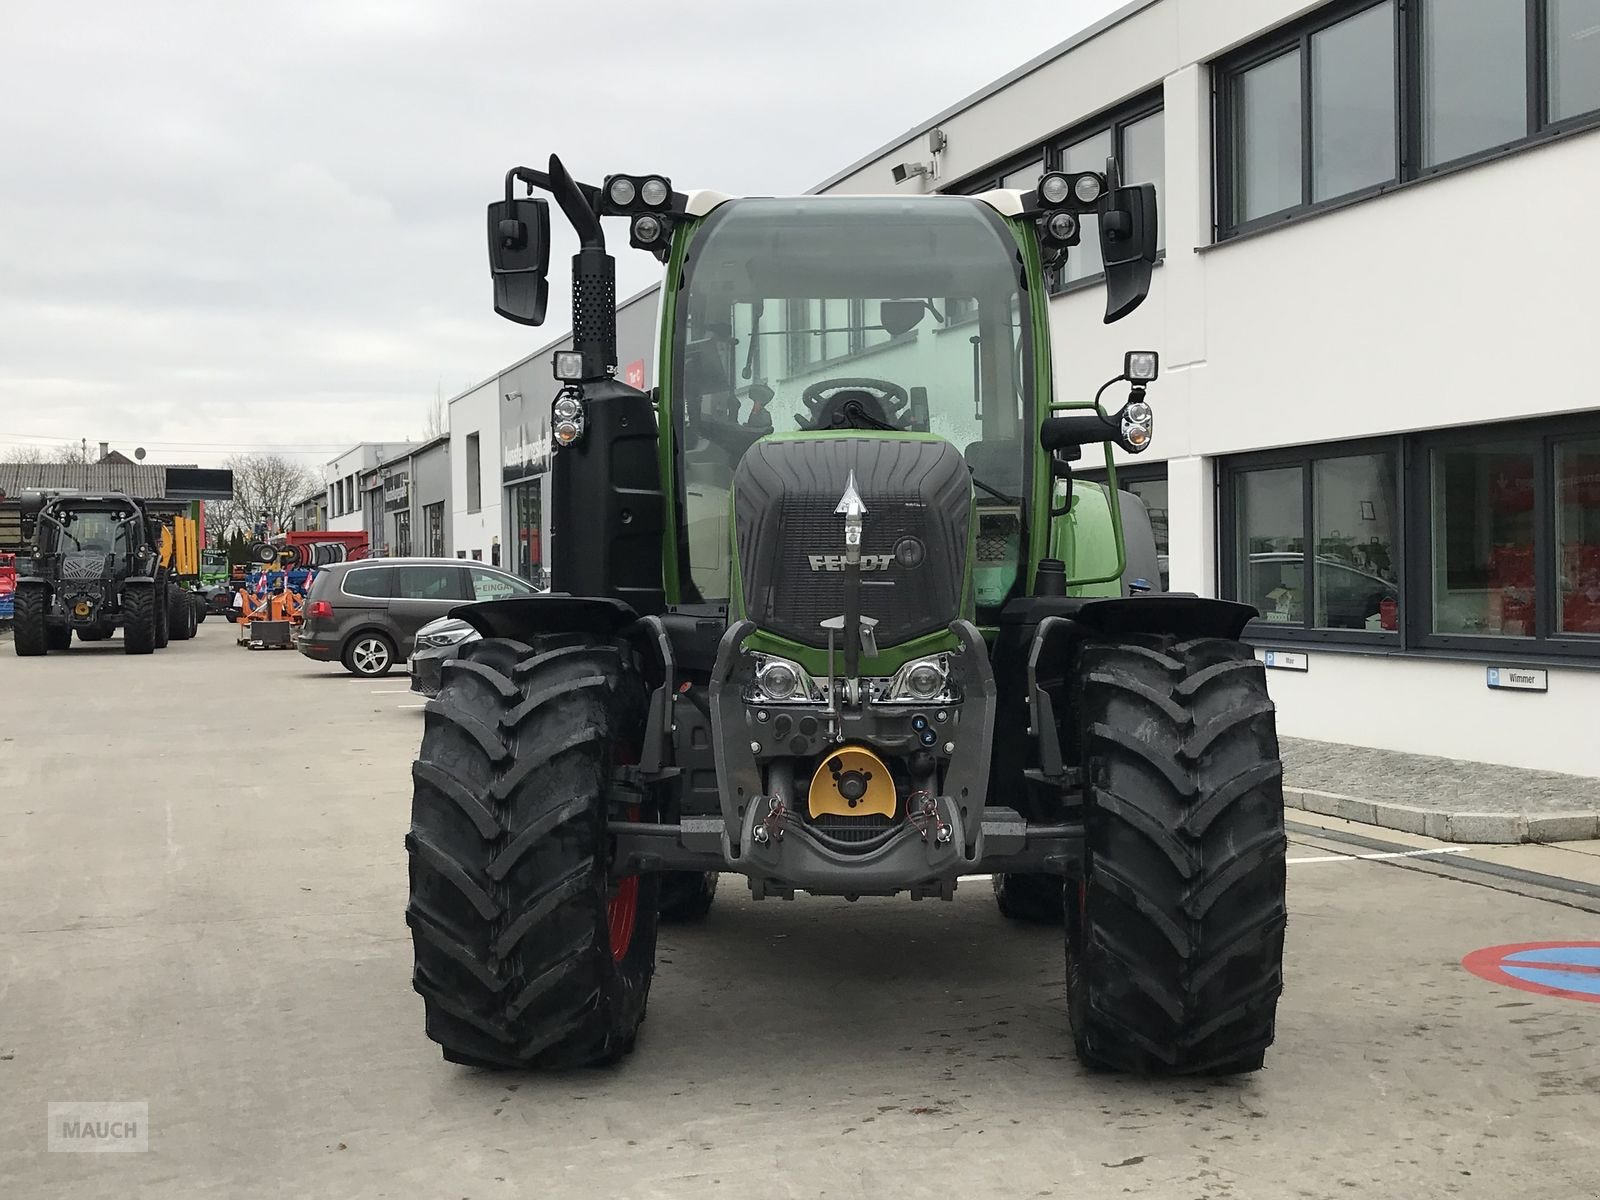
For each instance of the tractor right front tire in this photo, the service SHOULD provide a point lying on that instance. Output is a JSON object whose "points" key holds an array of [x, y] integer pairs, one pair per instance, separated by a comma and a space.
{"points": [[30, 633], [1175, 932], [139, 619], [1030, 899], [163, 615], [529, 952]]}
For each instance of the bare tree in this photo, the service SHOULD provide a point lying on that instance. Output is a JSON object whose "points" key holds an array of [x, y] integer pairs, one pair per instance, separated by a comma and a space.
{"points": [[266, 487], [435, 421], [66, 453]]}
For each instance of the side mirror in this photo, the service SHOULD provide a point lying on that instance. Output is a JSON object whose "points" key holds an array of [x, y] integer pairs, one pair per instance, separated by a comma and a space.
{"points": [[519, 258], [1128, 246]]}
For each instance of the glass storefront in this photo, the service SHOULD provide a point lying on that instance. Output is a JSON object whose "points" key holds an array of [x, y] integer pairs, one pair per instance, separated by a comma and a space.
{"points": [[527, 518]]}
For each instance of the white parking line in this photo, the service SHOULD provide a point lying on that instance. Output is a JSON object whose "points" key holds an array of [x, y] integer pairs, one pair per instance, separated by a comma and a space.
{"points": [[1323, 858], [391, 691], [411, 706]]}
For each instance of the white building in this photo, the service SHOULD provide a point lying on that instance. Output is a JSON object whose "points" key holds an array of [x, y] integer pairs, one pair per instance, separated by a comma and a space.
{"points": [[350, 507], [1377, 281]]}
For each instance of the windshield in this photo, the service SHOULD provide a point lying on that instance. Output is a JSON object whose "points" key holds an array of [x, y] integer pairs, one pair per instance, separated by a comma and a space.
{"points": [[870, 314], [97, 531]]}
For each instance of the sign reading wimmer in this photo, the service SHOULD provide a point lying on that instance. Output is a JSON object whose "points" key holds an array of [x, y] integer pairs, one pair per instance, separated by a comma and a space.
{"points": [[98, 1126]]}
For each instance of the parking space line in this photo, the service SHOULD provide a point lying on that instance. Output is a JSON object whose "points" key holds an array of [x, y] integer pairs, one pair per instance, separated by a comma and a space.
{"points": [[1322, 858], [390, 691], [411, 706]]}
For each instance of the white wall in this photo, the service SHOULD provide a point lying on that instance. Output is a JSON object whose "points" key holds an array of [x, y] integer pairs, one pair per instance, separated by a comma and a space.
{"points": [[476, 411]]}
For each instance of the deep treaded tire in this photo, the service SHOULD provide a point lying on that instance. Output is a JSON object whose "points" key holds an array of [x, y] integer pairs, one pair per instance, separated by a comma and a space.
{"points": [[1031, 899], [180, 615], [527, 953], [1175, 947], [30, 635], [163, 617], [686, 896], [139, 619]]}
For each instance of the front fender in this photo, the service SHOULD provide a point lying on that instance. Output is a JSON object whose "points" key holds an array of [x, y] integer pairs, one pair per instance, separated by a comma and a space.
{"points": [[1182, 616], [522, 618]]}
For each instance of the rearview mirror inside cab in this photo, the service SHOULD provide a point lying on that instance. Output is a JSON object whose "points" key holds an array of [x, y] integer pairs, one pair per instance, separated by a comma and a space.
{"points": [[519, 258]]}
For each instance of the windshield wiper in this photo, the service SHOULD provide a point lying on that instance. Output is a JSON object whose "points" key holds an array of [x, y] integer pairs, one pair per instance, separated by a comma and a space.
{"points": [[996, 492]]}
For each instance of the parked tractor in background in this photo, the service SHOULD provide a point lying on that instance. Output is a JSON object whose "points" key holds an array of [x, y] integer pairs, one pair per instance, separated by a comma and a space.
{"points": [[95, 567], [848, 630], [180, 556]]}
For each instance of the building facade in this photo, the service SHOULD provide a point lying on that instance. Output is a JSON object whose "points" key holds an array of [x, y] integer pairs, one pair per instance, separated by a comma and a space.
{"points": [[410, 502], [1366, 425], [351, 506]]}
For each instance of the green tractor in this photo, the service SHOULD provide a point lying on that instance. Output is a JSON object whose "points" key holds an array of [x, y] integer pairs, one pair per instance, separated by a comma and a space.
{"points": [[833, 613], [95, 567]]}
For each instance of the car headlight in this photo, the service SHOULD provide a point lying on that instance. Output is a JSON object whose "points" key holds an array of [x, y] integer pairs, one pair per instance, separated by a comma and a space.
{"points": [[921, 680], [780, 681], [450, 635]]}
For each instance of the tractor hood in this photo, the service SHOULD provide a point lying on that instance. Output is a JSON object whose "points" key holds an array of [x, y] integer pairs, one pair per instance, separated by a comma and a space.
{"points": [[790, 542]]}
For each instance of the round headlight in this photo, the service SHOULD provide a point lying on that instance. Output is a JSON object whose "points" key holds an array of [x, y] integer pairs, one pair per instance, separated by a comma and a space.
{"points": [[778, 680], [567, 409], [925, 681], [653, 192], [1087, 187], [1062, 226], [567, 432], [1054, 188], [622, 192], [646, 229]]}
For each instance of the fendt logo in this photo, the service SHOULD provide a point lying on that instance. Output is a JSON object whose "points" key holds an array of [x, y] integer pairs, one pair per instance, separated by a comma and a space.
{"points": [[835, 562]]}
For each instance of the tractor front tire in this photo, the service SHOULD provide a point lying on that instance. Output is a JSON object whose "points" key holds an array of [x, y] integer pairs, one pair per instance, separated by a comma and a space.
{"points": [[1030, 899], [139, 619], [686, 896], [30, 632], [1175, 938], [529, 953]]}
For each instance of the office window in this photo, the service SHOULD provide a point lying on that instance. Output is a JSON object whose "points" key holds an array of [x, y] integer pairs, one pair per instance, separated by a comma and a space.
{"points": [[1451, 541], [1577, 505], [433, 524], [1474, 76], [1087, 154], [402, 534], [1572, 58], [1266, 124], [474, 474], [1315, 541], [1353, 103], [1365, 95]]}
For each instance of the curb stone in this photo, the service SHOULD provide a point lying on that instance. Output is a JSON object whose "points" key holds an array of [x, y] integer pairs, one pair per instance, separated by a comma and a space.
{"points": [[1473, 827]]}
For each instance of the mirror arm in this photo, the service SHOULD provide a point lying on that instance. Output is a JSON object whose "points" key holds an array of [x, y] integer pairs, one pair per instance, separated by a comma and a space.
{"points": [[579, 201]]}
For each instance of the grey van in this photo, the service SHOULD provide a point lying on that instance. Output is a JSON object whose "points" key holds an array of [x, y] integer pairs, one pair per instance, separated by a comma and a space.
{"points": [[366, 614]]}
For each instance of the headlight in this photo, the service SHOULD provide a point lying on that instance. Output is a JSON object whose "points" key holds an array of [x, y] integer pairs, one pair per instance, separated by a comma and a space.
{"points": [[622, 191], [1054, 188], [1062, 226], [1137, 423], [450, 635], [779, 681], [654, 192], [1087, 187], [921, 680]]}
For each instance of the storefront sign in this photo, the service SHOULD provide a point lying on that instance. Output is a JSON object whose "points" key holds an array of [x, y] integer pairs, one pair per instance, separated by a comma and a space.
{"points": [[1519, 679], [396, 492], [633, 374], [1286, 660]]}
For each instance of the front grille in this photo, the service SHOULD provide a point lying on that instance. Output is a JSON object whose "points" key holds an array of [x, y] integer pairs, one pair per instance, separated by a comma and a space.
{"points": [[83, 566], [855, 835]]}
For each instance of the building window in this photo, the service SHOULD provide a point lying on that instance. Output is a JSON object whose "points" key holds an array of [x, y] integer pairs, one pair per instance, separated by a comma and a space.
{"points": [[1315, 540], [402, 534], [1366, 95], [433, 524], [1497, 550], [1134, 134], [474, 475]]}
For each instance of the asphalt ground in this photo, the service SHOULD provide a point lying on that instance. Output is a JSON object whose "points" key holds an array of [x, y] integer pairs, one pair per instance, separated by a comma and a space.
{"points": [[202, 886]]}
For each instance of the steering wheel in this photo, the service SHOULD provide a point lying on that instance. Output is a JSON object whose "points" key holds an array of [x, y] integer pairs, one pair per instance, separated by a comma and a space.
{"points": [[854, 403]]}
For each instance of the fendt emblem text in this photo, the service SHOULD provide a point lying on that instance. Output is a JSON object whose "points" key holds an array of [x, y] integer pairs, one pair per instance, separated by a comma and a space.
{"points": [[835, 562]]}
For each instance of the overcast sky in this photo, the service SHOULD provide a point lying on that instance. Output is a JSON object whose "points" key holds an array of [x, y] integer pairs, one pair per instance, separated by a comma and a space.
{"points": [[226, 225]]}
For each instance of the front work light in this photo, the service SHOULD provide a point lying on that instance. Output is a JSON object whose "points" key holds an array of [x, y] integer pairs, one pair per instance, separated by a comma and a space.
{"points": [[1062, 226], [622, 191], [566, 417], [654, 192], [1054, 189], [1141, 366], [1087, 187], [1136, 426], [646, 230], [569, 365]]}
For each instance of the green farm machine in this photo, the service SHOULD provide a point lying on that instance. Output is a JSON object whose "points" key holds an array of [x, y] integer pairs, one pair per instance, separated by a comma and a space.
{"points": [[833, 612]]}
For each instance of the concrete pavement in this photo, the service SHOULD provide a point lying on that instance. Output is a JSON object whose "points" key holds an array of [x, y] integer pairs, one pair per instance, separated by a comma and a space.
{"points": [[201, 907]]}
